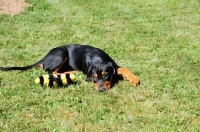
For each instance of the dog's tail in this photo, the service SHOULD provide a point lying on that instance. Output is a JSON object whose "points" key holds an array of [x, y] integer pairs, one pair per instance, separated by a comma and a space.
{"points": [[21, 68]]}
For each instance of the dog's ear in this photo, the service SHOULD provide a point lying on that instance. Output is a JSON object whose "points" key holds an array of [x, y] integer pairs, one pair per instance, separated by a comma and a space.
{"points": [[114, 69], [90, 69]]}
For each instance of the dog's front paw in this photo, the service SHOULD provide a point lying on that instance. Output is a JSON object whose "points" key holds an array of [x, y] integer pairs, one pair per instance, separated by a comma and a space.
{"points": [[133, 80], [126, 74]]}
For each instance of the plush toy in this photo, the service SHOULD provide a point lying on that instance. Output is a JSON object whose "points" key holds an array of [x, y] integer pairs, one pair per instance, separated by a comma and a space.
{"points": [[54, 80]]}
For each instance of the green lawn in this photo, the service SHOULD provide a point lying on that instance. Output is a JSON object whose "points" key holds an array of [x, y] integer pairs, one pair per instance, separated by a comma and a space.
{"points": [[159, 41]]}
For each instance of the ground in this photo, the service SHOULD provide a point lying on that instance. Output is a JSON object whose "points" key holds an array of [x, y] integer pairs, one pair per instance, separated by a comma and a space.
{"points": [[12, 7]]}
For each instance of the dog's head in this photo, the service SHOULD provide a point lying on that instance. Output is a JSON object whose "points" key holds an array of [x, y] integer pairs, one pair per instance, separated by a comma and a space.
{"points": [[102, 75]]}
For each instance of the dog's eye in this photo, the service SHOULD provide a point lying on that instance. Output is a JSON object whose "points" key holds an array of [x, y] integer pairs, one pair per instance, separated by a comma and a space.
{"points": [[106, 76]]}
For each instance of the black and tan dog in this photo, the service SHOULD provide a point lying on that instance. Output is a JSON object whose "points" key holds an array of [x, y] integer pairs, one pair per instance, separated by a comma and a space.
{"points": [[94, 62]]}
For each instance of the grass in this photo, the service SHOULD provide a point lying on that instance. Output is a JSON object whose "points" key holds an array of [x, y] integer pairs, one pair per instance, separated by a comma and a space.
{"points": [[157, 40]]}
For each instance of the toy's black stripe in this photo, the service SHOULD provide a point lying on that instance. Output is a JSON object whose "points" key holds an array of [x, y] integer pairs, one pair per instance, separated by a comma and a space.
{"points": [[41, 80], [51, 83], [59, 76], [69, 80], [59, 81], [51, 76]]}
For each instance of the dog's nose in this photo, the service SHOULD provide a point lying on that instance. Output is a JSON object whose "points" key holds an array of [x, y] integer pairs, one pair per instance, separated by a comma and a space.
{"points": [[101, 89]]}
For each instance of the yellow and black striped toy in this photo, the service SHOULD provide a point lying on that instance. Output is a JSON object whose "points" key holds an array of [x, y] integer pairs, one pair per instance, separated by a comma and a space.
{"points": [[54, 80]]}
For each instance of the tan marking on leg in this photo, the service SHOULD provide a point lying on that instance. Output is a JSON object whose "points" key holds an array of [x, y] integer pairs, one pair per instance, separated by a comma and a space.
{"points": [[41, 66], [68, 72], [127, 75], [56, 71]]}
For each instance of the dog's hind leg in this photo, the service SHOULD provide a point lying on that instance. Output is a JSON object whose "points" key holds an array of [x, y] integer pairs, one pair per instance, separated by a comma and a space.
{"points": [[55, 59]]}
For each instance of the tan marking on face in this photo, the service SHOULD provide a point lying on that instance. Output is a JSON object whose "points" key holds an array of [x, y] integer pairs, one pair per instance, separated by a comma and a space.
{"points": [[96, 75], [96, 85], [103, 73], [107, 85]]}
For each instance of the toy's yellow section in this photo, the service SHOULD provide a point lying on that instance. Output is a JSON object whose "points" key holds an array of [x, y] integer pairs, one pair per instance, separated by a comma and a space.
{"points": [[55, 84], [46, 82], [45, 76], [64, 79], [37, 80], [73, 77]]}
